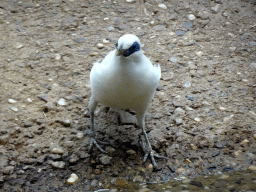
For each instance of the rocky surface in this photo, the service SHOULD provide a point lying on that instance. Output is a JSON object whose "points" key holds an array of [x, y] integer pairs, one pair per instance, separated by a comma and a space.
{"points": [[203, 115]]}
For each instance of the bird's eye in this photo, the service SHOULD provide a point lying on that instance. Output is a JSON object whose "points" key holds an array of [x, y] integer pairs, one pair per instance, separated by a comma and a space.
{"points": [[116, 44], [133, 47]]}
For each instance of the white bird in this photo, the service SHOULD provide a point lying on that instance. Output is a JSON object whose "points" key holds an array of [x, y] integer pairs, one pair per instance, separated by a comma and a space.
{"points": [[125, 79]]}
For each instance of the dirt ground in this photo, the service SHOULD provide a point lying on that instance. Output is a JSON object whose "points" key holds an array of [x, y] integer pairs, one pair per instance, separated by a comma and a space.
{"points": [[202, 118]]}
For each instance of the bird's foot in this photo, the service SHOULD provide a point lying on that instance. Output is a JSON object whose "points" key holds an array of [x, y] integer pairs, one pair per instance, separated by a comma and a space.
{"points": [[149, 152], [95, 142]]}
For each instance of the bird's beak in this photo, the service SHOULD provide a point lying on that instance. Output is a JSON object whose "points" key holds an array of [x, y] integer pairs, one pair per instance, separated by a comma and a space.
{"points": [[120, 52]]}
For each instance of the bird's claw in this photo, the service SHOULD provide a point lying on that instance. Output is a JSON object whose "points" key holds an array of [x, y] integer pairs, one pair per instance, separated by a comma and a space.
{"points": [[148, 151], [95, 142]]}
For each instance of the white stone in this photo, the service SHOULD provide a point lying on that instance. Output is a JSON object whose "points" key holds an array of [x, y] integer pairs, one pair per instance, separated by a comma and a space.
{"points": [[72, 179], [57, 57], [187, 84], [162, 6], [244, 80], [57, 151], [12, 101], [178, 121], [106, 18], [171, 33], [216, 8], [237, 153], [58, 164], [222, 108], [189, 108], [179, 111], [79, 135], [206, 103], [252, 168], [199, 53], [245, 142], [14, 109], [191, 17], [62, 102], [29, 100], [197, 119], [19, 45], [100, 45], [105, 41]]}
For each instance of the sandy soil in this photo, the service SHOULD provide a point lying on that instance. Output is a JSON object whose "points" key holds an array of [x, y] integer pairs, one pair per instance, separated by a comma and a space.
{"points": [[202, 118]]}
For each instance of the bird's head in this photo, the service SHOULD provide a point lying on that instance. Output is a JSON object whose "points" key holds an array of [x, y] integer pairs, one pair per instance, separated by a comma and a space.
{"points": [[128, 45]]}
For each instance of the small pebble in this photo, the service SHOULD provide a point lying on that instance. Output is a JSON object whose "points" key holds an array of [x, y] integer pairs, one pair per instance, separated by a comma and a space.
{"points": [[191, 98], [58, 164], [72, 179], [19, 45], [189, 108], [97, 171], [199, 53], [187, 25], [245, 142], [111, 28], [187, 84], [194, 147], [216, 8], [29, 100], [57, 57], [100, 45], [180, 33], [79, 135], [179, 111], [187, 160], [62, 102], [14, 109], [105, 160], [12, 101], [66, 123], [105, 41], [191, 17], [131, 152], [197, 119], [252, 168], [159, 27], [94, 54], [180, 170], [130, 1], [237, 153], [106, 18], [178, 121], [222, 108], [57, 151], [150, 168], [161, 5], [174, 59]]}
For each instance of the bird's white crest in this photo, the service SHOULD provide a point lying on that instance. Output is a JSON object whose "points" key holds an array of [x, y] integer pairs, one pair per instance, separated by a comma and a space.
{"points": [[127, 40]]}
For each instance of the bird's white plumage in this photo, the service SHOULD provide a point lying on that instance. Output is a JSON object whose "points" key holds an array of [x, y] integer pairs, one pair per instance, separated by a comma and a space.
{"points": [[125, 82], [125, 79]]}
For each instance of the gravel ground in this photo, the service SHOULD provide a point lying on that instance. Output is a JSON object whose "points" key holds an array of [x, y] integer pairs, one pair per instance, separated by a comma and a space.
{"points": [[202, 118]]}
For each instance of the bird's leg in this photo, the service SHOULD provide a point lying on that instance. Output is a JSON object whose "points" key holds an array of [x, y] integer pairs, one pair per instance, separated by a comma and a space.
{"points": [[91, 131], [145, 144]]}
